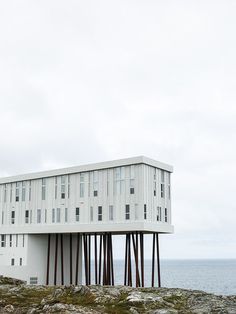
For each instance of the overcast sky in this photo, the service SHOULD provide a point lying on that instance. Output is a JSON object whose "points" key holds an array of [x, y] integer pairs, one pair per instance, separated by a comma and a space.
{"points": [[89, 81]]}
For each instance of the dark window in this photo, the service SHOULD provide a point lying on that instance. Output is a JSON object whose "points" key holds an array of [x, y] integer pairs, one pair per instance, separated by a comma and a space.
{"points": [[162, 190], [77, 212], [26, 216], [12, 262], [99, 213], [145, 212], [95, 193], [13, 217], [127, 212], [155, 192], [63, 195], [131, 190]]}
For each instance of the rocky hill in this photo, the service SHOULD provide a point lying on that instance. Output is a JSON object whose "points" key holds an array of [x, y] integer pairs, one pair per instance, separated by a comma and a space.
{"points": [[16, 297]]}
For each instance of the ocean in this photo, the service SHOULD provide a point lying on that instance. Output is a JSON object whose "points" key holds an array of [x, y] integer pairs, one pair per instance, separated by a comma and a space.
{"points": [[214, 276]]}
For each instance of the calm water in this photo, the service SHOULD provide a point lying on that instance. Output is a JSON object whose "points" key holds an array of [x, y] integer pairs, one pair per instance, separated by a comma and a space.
{"points": [[216, 276]]}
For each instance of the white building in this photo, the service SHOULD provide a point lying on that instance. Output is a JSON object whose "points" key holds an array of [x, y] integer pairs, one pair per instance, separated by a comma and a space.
{"points": [[47, 219]]}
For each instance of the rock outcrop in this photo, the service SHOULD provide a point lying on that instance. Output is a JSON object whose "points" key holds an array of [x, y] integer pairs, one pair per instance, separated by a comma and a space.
{"points": [[16, 297]]}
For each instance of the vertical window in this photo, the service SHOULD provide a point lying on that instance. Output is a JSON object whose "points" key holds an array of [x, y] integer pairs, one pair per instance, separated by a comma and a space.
{"points": [[53, 215], [145, 212], [66, 214], [95, 183], [127, 212], [43, 189], [136, 212], [58, 215], [111, 212], [81, 185], [131, 179], [55, 187], [166, 215], [23, 191], [158, 213], [99, 213], [63, 187], [77, 212], [68, 186], [38, 216], [12, 262], [91, 213], [16, 240], [20, 261], [162, 176], [31, 216], [162, 190], [2, 217], [11, 193], [27, 216], [5, 193], [17, 191], [30, 191], [45, 215], [119, 180], [12, 217], [23, 240], [3, 240], [10, 240], [155, 188]]}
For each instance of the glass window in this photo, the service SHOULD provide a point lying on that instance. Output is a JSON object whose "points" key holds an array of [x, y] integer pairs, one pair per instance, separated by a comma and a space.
{"points": [[12, 262], [38, 216], [81, 185], [3, 240], [27, 216], [162, 190], [77, 213], [5, 193], [111, 212], [162, 176], [55, 187], [66, 214], [17, 191], [20, 261], [99, 213], [23, 191], [166, 215], [63, 187], [43, 189], [58, 215], [10, 240], [95, 183], [12, 217], [91, 213], [53, 215], [127, 212], [145, 212]]}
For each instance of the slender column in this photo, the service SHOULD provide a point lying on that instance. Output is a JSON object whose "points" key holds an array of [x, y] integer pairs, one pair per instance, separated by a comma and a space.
{"points": [[85, 259], [129, 263], [100, 259], [55, 261], [158, 261], [95, 259], [142, 258], [108, 259], [77, 259], [104, 260], [71, 265], [111, 256], [153, 258], [137, 252], [48, 259], [89, 259], [62, 261], [136, 259], [126, 257]]}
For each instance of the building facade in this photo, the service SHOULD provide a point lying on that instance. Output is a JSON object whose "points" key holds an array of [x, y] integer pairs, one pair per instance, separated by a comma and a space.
{"points": [[44, 216]]}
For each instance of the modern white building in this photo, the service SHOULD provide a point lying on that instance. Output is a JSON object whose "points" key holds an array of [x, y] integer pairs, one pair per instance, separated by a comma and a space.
{"points": [[48, 220]]}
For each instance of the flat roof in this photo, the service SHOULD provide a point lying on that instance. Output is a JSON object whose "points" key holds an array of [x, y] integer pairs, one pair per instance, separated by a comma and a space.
{"points": [[88, 167]]}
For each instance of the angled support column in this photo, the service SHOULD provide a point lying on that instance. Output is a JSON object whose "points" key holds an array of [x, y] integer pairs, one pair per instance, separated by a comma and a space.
{"points": [[48, 259]]}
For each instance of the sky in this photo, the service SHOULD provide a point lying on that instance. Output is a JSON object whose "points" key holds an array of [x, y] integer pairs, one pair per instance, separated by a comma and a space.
{"points": [[89, 81]]}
